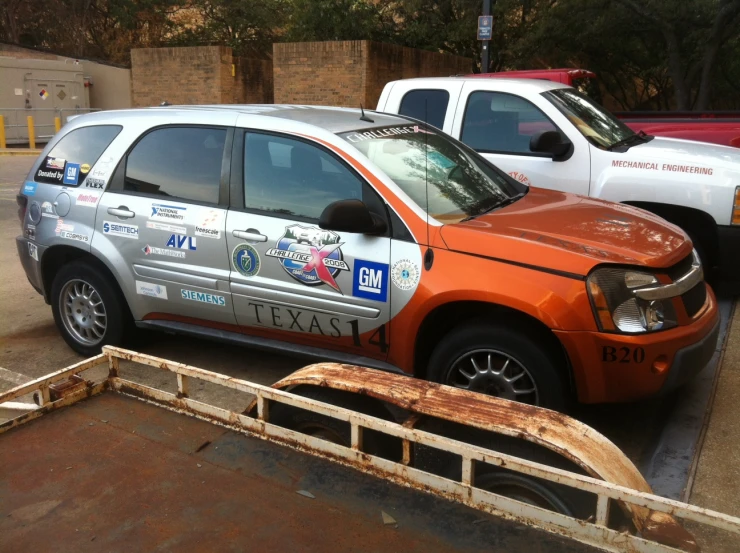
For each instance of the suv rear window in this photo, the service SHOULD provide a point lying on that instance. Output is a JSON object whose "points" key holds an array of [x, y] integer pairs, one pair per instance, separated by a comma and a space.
{"points": [[71, 159], [426, 105]]}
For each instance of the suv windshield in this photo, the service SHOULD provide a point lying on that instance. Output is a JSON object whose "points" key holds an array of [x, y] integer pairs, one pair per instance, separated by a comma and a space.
{"points": [[445, 178], [592, 121]]}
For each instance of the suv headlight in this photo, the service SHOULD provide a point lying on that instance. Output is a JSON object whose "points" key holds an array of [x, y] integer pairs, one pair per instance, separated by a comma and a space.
{"points": [[618, 309]]}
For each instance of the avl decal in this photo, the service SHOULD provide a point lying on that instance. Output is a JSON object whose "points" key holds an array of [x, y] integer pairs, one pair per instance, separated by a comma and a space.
{"points": [[181, 242], [310, 255]]}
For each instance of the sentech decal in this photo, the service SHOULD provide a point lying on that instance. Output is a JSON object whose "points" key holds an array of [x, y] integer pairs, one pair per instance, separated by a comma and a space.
{"points": [[181, 242], [150, 250], [370, 280], [167, 212], [310, 255], [118, 229], [203, 297]]}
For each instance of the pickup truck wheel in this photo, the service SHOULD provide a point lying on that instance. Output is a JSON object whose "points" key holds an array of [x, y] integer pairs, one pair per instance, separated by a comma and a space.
{"points": [[334, 430], [524, 489], [500, 361], [88, 311]]}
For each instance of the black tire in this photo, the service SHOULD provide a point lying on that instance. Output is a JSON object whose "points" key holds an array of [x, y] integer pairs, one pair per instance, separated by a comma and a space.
{"points": [[119, 323], [335, 430], [527, 490], [529, 350]]}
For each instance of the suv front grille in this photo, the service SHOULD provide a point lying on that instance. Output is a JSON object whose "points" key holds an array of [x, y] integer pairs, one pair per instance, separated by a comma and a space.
{"points": [[694, 299]]}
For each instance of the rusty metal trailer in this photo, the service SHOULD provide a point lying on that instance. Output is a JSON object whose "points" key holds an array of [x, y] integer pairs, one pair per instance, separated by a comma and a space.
{"points": [[119, 472]]}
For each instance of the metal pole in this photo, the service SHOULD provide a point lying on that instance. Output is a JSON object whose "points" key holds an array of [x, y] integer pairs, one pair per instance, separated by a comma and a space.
{"points": [[485, 62]]}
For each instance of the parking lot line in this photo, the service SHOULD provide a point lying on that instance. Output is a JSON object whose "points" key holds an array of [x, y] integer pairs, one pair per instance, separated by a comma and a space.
{"points": [[14, 377]]}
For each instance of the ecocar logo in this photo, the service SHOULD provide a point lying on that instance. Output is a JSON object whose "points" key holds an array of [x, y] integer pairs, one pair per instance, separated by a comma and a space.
{"points": [[370, 280]]}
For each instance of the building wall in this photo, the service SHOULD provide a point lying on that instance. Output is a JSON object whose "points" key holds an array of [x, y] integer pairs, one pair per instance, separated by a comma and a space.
{"points": [[187, 75], [319, 73], [110, 87], [350, 73]]}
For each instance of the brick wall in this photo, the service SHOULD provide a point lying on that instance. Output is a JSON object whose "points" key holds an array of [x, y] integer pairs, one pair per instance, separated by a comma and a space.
{"points": [[254, 81], [350, 73]]}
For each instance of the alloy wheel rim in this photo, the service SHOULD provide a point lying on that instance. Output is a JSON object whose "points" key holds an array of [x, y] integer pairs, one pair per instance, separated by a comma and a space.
{"points": [[83, 312], [495, 373]]}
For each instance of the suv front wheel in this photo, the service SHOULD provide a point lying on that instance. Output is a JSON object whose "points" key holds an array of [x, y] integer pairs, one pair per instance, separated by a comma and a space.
{"points": [[89, 311]]}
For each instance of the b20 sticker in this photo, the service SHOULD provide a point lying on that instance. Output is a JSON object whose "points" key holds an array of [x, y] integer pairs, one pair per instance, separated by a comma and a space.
{"points": [[624, 354], [370, 280], [246, 260], [310, 255], [405, 274]]}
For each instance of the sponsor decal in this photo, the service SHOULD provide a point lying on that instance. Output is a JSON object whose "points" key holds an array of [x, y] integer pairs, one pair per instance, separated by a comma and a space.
{"points": [[43, 94], [181, 242], [669, 167], [29, 189], [85, 168], [149, 250], [166, 212], [118, 229], [55, 163], [370, 280], [405, 274], [151, 290], [207, 232], [165, 226], [61, 225], [33, 251], [520, 177], [46, 207], [75, 236], [52, 175], [246, 260], [310, 255], [89, 199], [91, 182], [384, 133], [71, 173], [203, 297]]}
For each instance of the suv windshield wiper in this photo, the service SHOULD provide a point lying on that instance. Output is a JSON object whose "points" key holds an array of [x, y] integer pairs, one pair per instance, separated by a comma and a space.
{"points": [[640, 137], [502, 203]]}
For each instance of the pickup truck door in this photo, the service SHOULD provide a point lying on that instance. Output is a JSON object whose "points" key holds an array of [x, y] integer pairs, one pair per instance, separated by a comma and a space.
{"points": [[499, 125], [436, 104], [290, 279]]}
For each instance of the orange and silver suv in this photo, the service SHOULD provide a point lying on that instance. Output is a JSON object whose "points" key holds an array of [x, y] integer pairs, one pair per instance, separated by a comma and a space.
{"points": [[364, 238]]}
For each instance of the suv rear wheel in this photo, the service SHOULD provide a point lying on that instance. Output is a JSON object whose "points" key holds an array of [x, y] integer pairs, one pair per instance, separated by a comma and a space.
{"points": [[500, 361], [89, 311]]}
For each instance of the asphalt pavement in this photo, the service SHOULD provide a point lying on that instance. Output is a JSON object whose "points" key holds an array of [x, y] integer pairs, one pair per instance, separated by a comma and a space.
{"points": [[659, 435]]}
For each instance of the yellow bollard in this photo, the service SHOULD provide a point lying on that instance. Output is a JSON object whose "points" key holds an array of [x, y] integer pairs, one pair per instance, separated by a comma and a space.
{"points": [[57, 124], [2, 132], [31, 135]]}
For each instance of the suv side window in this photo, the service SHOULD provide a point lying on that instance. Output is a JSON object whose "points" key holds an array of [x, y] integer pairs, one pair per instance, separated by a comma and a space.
{"points": [[292, 178], [426, 105], [70, 160], [178, 162], [496, 122]]}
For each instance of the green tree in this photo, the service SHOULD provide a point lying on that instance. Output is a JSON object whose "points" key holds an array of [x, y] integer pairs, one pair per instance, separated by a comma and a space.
{"points": [[319, 20]]}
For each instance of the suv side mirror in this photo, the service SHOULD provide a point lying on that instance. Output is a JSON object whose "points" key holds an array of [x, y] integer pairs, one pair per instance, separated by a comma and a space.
{"points": [[351, 216], [551, 142]]}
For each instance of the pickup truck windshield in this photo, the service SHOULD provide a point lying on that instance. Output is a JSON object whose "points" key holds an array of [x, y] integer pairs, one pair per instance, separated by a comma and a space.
{"points": [[595, 123], [444, 178]]}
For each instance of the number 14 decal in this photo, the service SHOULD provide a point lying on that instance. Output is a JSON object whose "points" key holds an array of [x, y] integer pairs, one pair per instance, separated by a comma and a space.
{"points": [[377, 339]]}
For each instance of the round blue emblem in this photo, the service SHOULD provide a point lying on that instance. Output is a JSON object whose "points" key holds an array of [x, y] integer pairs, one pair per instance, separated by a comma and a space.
{"points": [[246, 260]]}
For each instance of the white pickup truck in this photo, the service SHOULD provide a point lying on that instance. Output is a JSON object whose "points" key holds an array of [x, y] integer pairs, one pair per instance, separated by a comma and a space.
{"points": [[550, 135]]}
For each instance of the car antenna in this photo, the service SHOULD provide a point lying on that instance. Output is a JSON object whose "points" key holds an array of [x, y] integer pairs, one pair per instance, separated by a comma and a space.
{"points": [[364, 117]]}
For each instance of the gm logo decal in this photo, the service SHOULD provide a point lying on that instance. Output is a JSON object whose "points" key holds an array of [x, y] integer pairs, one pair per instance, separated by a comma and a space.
{"points": [[370, 280]]}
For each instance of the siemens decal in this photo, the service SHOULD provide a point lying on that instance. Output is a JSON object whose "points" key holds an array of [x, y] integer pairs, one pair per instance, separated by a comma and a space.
{"points": [[203, 298]]}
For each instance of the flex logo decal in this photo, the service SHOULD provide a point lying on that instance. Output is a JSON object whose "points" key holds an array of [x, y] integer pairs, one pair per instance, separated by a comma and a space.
{"points": [[370, 280], [203, 297], [181, 242], [118, 229], [405, 274], [310, 255], [95, 183], [246, 260], [71, 173], [164, 212]]}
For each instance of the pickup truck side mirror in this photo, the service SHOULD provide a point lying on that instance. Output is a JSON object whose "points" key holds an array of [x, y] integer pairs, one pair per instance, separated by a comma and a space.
{"points": [[551, 142], [351, 216]]}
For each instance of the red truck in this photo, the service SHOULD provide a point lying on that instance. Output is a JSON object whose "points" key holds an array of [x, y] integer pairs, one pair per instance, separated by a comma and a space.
{"points": [[717, 127]]}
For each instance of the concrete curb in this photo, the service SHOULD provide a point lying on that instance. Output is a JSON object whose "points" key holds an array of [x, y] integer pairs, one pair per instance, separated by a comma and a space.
{"points": [[19, 152]]}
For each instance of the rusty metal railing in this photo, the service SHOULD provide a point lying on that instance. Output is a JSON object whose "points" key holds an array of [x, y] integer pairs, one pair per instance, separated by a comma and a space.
{"points": [[66, 386]]}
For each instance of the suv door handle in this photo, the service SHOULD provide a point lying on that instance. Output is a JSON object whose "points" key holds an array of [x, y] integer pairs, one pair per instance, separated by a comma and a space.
{"points": [[250, 234], [121, 211]]}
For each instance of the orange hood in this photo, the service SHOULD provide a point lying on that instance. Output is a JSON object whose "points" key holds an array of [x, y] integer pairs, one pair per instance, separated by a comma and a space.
{"points": [[570, 233]]}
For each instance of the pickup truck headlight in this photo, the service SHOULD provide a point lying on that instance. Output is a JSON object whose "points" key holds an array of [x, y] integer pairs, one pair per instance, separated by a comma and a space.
{"points": [[618, 309]]}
